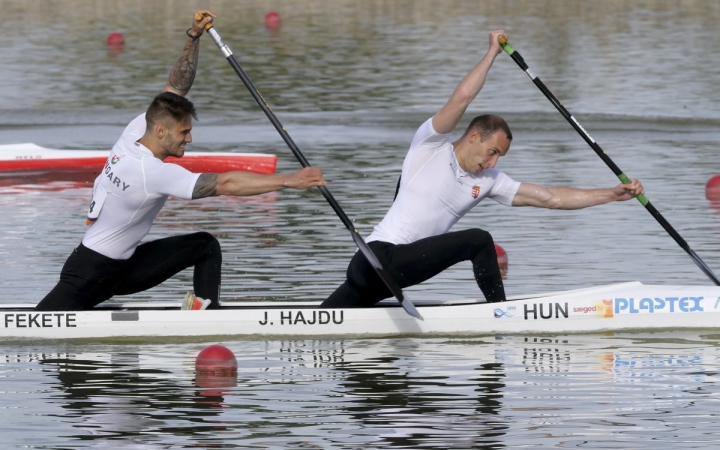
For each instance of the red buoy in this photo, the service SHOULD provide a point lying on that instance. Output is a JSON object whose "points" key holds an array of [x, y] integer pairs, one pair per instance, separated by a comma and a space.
{"points": [[502, 260], [216, 360], [115, 41], [272, 20], [501, 254], [712, 189]]}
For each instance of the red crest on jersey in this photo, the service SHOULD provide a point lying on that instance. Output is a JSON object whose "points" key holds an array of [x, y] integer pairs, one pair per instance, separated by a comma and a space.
{"points": [[475, 191]]}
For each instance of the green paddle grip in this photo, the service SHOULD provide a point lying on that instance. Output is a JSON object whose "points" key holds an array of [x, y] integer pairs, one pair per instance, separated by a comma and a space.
{"points": [[502, 40], [641, 197]]}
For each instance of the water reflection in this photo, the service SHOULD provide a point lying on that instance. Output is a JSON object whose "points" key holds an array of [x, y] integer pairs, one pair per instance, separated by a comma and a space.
{"points": [[491, 392], [465, 393], [55, 180], [386, 393], [411, 410], [112, 397]]}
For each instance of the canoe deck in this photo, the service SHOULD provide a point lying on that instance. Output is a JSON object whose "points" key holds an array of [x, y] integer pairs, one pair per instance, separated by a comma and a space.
{"points": [[623, 306]]}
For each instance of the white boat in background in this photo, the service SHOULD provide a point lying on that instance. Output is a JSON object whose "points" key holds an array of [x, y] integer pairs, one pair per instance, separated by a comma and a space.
{"points": [[624, 306], [31, 157]]}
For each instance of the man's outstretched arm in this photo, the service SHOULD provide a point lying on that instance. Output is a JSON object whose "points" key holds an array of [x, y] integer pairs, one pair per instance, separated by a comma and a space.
{"points": [[245, 183], [573, 198]]}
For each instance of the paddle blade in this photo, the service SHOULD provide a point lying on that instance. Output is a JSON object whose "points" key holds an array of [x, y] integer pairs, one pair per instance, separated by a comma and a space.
{"points": [[391, 285], [410, 308]]}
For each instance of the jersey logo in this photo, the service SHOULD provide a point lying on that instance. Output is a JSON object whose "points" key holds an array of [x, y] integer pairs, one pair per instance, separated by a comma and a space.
{"points": [[116, 159], [475, 191]]}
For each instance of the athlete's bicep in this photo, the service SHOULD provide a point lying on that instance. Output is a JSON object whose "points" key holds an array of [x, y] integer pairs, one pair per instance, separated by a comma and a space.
{"points": [[205, 186], [529, 194]]}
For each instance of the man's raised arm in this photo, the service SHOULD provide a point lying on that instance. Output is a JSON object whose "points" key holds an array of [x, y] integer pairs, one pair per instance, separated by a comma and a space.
{"points": [[183, 72], [469, 87]]}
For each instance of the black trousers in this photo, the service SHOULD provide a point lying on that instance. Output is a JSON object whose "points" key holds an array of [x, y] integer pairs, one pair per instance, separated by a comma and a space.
{"points": [[411, 264], [89, 278]]}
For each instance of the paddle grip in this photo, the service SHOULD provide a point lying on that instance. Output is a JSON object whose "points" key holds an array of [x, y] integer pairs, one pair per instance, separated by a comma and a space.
{"points": [[641, 197], [507, 48], [199, 17]]}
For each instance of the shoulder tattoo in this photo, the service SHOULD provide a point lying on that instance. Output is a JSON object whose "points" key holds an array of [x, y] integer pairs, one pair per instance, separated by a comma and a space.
{"points": [[205, 186]]}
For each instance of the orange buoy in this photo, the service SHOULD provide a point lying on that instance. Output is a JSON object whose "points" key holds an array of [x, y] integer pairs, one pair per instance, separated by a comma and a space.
{"points": [[216, 360], [712, 189]]}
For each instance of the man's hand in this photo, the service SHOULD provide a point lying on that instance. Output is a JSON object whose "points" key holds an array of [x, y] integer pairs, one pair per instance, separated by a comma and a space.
{"points": [[495, 47], [201, 18], [305, 178], [627, 191]]}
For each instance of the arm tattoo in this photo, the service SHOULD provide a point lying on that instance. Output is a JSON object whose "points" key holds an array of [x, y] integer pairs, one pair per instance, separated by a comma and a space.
{"points": [[205, 186], [183, 72]]}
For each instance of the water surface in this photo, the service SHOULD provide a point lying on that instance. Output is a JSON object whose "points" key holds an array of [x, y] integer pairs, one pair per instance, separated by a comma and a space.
{"points": [[351, 81]]}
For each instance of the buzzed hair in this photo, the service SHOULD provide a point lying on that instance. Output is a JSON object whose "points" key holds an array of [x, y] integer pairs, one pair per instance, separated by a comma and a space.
{"points": [[487, 125], [168, 105]]}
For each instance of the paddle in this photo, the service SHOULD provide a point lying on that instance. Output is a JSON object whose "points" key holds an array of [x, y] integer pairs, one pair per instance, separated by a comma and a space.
{"points": [[362, 245], [601, 153]]}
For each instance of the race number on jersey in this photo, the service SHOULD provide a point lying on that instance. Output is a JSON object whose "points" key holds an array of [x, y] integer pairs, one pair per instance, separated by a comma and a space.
{"points": [[96, 204]]}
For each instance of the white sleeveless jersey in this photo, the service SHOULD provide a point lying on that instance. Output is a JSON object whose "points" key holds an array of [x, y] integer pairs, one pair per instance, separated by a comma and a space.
{"points": [[435, 192], [129, 193]]}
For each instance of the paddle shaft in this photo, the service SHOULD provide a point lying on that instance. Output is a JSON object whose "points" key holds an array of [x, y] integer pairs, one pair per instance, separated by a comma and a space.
{"points": [[362, 245], [601, 153]]}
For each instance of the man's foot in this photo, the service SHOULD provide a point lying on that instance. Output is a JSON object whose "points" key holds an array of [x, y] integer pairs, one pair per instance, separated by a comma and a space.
{"points": [[194, 303]]}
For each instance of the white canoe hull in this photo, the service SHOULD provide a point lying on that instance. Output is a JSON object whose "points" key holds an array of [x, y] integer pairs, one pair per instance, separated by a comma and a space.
{"points": [[625, 306]]}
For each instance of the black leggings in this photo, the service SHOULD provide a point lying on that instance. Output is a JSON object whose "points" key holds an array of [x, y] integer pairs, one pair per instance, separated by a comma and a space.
{"points": [[411, 264], [89, 278]]}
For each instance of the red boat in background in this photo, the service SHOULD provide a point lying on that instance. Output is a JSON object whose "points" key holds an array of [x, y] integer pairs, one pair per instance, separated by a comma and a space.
{"points": [[31, 157]]}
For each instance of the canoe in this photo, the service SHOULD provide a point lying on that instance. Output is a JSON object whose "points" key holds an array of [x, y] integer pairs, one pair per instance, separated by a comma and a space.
{"points": [[615, 307], [31, 157]]}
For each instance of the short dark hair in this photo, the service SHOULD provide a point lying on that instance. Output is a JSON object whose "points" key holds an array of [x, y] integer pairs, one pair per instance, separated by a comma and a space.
{"points": [[489, 124], [169, 105]]}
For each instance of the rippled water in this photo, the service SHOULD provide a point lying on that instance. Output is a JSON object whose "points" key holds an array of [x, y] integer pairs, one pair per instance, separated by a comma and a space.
{"points": [[351, 81], [637, 391]]}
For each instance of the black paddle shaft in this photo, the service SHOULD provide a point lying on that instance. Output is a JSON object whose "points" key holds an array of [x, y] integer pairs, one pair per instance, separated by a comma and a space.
{"points": [[601, 153], [362, 245]]}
